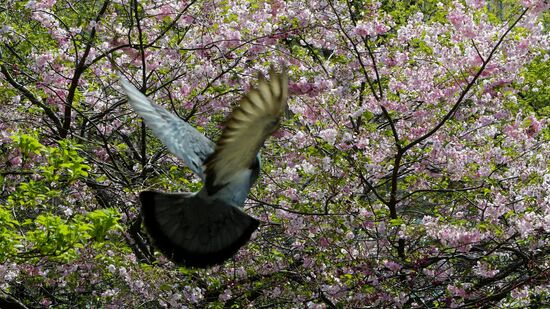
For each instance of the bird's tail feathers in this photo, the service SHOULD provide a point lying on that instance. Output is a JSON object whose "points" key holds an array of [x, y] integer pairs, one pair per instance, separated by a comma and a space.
{"points": [[193, 231]]}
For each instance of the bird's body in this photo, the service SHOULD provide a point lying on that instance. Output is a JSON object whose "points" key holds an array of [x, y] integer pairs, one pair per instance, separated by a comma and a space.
{"points": [[207, 227]]}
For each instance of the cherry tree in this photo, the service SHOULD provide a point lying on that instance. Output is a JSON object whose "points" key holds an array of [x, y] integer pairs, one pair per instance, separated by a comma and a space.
{"points": [[411, 169]]}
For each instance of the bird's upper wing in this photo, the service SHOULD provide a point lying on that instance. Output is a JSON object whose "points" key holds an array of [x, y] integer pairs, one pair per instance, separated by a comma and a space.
{"points": [[178, 136], [251, 123]]}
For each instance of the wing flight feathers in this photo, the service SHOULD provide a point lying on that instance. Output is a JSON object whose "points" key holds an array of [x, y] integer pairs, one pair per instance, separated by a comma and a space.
{"points": [[181, 139], [251, 123]]}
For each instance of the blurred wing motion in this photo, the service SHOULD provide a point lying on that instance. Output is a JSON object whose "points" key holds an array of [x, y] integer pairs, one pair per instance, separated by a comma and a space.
{"points": [[251, 123], [208, 227], [181, 139]]}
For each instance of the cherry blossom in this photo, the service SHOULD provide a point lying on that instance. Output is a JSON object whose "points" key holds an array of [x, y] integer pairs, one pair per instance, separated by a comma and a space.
{"points": [[410, 169]]}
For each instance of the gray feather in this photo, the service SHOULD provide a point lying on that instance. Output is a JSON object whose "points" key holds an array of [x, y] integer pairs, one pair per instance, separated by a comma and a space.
{"points": [[181, 139]]}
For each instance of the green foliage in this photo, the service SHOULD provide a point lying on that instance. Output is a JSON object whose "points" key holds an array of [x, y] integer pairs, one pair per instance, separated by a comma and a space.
{"points": [[63, 162], [102, 222], [28, 144], [401, 11], [535, 96], [32, 194], [56, 167], [35, 204], [53, 236], [8, 236]]}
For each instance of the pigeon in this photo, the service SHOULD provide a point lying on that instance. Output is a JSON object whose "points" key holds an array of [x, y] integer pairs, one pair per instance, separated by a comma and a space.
{"points": [[205, 228]]}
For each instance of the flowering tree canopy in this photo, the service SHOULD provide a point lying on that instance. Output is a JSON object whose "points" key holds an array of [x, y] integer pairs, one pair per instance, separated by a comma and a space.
{"points": [[411, 168]]}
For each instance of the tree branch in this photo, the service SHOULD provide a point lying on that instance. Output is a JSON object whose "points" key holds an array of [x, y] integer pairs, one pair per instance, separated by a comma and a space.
{"points": [[29, 95], [466, 90], [80, 68]]}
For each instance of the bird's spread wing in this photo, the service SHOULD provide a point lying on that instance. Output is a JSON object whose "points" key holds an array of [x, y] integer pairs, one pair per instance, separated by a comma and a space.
{"points": [[251, 123], [178, 136]]}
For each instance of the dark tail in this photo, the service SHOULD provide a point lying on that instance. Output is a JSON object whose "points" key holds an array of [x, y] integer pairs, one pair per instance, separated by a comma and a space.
{"points": [[192, 232]]}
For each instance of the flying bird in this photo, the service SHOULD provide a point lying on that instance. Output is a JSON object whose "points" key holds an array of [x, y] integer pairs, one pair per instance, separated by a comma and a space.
{"points": [[204, 228]]}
